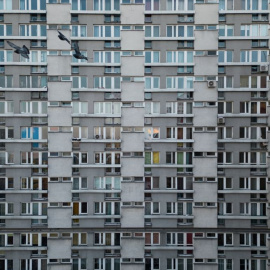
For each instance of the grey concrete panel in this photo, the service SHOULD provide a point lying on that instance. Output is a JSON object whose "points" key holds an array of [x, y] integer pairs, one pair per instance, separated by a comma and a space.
{"points": [[132, 166], [132, 14], [132, 40], [128, 139], [132, 191], [59, 192], [59, 217], [56, 166], [55, 120], [59, 248], [132, 117], [62, 67], [132, 217], [132, 65], [54, 10], [132, 247], [60, 142]]}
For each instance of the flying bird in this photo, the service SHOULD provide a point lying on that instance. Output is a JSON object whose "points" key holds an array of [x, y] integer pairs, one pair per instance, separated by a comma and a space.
{"points": [[63, 37], [77, 53], [23, 51]]}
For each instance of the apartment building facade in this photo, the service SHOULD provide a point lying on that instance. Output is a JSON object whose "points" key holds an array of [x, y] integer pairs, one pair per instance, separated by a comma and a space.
{"points": [[153, 154]]}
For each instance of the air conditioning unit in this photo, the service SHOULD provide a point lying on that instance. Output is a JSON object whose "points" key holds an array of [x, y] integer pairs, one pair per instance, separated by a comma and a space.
{"points": [[263, 68], [211, 84], [221, 120], [97, 136]]}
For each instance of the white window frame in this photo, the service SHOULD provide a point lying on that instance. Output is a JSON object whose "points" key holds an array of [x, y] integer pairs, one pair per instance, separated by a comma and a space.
{"points": [[103, 183], [101, 31], [82, 107], [28, 30], [175, 31], [81, 30], [107, 108]]}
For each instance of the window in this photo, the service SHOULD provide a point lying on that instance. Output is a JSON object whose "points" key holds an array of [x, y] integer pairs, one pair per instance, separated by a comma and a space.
{"points": [[152, 57], [224, 157], [179, 82], [179, 107], [107, 108], [32, 81], [225, 132], [34, 183], [179, 31], [260, 30], [226, 5], [78, 4], [79, 82], [79, 264], [6, 5], [32, 5], [107, 208], [152, 158], [106, 5], [255, 107], [225, 208], [5, 29], [35, 133], [152, 133], [225, 107], [225, 239], [225, 82], [106, 31], [6, 183], [226, 30], [225, 56], [79, 208], [107, 239], [78, 31], [179, 57], [34, 158], [80, 158], [180, 5], [6, 239], [152, 31], [151, 4], [151, 183], [80, 107], [152, 107], [107, 133], [108, 183], [254, 5], [225, 264], [106, 57], [253, 56], [224, 183], [253, 81], [33, 30], [33, 107], [6, 81], [179, 239], [152, 82], [109, 263], [35, 209], [6, 56], [107, 158], [6, 209], [151, 239], [107, 82]]}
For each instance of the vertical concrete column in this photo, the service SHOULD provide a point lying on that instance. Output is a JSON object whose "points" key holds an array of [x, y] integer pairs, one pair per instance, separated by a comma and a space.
{"points": [[205, 117], [59, 135], [132, 112]]}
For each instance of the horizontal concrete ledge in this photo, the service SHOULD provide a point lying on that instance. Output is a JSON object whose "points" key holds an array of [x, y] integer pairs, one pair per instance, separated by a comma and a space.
{"points": [[157, 216], [243, 217]]}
